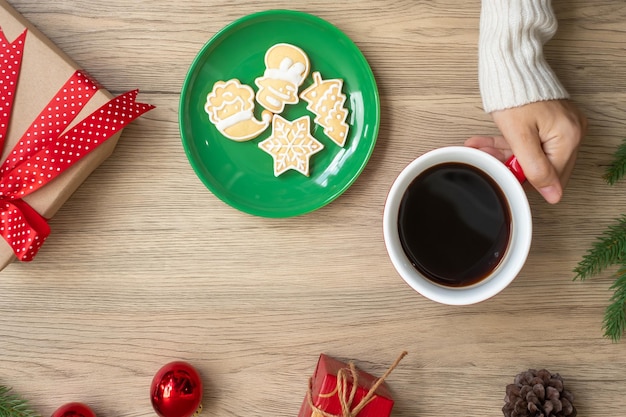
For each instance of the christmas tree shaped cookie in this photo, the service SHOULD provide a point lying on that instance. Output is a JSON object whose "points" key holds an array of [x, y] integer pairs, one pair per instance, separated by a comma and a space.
{"points": [[326, 101], [291, 145]]}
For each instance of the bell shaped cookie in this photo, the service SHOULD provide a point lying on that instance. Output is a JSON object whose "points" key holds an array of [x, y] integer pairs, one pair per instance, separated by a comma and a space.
{"points": [[286, 67]]}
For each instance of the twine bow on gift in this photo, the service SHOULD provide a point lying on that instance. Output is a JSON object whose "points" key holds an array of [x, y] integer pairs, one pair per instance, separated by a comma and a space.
{"points": [[46, 150], [346, 399]]}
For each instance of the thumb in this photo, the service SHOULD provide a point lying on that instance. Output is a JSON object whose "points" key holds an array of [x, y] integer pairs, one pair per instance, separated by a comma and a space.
{"points": [[538, 170]]}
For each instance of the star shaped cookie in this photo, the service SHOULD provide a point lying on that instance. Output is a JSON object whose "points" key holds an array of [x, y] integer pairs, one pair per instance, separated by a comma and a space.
{"points": [[291, 145]]}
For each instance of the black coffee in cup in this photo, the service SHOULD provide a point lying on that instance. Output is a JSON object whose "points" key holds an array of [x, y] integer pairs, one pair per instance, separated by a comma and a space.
{"points": [[454, 224]]}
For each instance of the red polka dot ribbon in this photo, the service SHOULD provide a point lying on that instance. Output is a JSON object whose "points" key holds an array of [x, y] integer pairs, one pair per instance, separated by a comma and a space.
{"points": [[11, 60], [47, 148]]}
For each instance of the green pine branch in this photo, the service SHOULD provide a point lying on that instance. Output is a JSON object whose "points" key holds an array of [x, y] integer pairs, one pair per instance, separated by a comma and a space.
{"points": [[617, 169], [608, 249], [615, 314], [11, 405]]}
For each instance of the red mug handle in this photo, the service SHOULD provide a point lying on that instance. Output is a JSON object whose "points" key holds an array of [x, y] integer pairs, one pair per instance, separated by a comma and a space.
{"points": [[513, 165]]}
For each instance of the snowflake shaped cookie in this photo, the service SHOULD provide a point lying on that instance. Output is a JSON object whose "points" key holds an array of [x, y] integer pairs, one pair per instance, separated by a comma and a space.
{"points": [[291, 145]]}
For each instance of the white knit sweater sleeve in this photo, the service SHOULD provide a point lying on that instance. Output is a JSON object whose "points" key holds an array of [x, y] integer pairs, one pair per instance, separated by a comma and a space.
{"points": [[512, 68]]}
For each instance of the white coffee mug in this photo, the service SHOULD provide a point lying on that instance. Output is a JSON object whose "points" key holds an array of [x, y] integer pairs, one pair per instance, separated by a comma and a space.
{"points": [[509, 178]]}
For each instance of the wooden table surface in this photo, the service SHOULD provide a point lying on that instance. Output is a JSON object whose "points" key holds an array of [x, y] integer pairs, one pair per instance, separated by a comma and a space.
{"points": [[146, 266]]}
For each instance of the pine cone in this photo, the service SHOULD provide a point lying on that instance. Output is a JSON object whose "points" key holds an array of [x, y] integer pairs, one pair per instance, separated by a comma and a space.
{"points": [[538, 394]]}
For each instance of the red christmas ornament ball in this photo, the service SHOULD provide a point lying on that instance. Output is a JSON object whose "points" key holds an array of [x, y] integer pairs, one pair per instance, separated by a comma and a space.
{"points": [[176, 390], [74, 410]]}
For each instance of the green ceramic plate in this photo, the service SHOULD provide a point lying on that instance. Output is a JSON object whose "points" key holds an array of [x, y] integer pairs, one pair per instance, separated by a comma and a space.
{"points": [[240, 173]]}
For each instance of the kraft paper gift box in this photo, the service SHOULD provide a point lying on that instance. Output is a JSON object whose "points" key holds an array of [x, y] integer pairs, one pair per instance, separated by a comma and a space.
{"points": [[325, 392], [43, 71]]}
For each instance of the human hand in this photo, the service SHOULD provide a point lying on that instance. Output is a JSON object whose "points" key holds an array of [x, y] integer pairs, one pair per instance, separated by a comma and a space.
{"points": [[544, 137]]}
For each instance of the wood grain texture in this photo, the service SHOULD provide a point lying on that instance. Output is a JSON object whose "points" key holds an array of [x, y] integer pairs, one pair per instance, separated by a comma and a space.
{"points": [[145, 265]]}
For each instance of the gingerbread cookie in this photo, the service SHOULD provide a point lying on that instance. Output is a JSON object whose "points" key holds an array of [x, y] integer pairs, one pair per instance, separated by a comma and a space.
{"points": [[291, 145], [286, 67], [326, 101], [230, 106]]}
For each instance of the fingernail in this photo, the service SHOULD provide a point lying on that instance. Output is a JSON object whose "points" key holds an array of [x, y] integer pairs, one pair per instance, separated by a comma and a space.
{"points": [[551, 193]]}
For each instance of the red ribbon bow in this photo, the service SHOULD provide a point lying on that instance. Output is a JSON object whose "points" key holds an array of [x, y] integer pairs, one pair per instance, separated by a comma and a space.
{"points": [[46, 149]]}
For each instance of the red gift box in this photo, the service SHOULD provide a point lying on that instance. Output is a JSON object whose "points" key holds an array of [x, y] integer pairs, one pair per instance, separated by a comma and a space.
{"points": [[342, 390]]}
